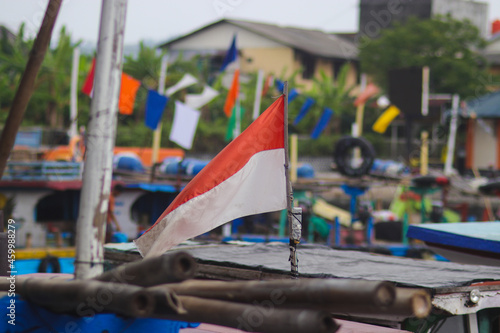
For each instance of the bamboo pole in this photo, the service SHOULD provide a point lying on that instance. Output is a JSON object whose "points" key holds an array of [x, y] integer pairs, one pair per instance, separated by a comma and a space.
{"points": [[27, 83], [450, 147], [293, 157], [91, 224], [157, 132], [355, 296], [252, 317], [73, 128], [167, 268], [294, 263], [424, 154], [85, 297]]}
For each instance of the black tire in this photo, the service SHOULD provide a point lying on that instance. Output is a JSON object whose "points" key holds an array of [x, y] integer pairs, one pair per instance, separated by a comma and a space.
{"points": [[344, 147], [49, 261], [491, 188], [424, 181]]}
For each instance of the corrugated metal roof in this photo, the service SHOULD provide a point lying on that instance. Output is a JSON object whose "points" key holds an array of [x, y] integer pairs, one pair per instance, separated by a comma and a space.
{"points": [[487, 106], [314, 42]]}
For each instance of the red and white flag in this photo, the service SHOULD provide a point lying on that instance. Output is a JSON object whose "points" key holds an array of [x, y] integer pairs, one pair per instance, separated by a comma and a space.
{"points": [[245, 178]]}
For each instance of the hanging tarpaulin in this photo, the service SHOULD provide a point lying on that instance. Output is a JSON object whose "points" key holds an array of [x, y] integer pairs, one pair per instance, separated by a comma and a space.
{"points": [[155, 104], [321, 125], [184, 125], [128, 91], [304, 110]]}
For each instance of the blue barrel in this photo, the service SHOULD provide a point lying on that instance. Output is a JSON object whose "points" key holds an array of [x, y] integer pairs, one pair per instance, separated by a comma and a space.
{"points": [[127, 162]]}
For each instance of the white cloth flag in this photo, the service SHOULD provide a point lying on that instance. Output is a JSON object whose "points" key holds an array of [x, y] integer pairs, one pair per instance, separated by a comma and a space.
{"points": [[186, 81], [198, 100], [245, 178], [258, 94], [184, 125]]}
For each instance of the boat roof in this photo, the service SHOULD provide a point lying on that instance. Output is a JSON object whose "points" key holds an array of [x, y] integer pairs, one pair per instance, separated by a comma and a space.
{"points": [[481, 236], [318, 261]]}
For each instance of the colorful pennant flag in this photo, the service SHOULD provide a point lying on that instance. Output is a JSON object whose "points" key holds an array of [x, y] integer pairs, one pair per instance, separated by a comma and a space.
{"points": [[370, 90], [245, 178], [258, 94], [279, 85], [231, 54], [186, 81], [128, 91], [197, 101], [232, 123], [304, 110], [88, 85], [232, 95], [184, 125], [385, 119], [292, 94], [267, 84], [155, 104], [321, 125]]}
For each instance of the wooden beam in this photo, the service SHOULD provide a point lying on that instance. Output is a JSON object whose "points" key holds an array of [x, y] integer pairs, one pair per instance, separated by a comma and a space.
{"points": [[27, 83]]}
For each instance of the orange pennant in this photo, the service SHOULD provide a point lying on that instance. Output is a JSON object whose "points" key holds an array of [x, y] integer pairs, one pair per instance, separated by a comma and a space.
{"points": [[128, 91], [232, 94], [370, 90]]}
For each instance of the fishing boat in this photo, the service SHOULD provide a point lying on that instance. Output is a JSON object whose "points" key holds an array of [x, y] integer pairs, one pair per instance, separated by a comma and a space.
{"points": [[469, 242]]}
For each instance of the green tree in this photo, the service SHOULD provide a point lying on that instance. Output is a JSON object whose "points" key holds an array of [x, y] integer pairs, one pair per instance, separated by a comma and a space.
{"points": [[49, 104], [450, 48]]}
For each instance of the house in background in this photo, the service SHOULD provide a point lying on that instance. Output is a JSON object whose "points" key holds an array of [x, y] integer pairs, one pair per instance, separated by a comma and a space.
{"points": [[271, 48], [482, 144]]}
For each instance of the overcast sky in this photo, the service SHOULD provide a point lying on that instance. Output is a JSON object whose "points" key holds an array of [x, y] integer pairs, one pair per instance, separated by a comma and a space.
{"points": [[160, 20]]}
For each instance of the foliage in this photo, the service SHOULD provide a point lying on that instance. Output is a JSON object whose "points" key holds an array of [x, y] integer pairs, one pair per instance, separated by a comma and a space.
{"points": [[49, 104], [451, 49]]}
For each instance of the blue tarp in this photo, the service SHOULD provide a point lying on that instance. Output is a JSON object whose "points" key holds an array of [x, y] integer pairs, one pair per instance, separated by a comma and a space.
{"points": [[153, 187]]}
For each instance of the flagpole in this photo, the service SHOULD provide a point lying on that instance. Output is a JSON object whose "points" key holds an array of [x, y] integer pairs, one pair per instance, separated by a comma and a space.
{"points": [[294, 215], [157, 132], [73, 130]]}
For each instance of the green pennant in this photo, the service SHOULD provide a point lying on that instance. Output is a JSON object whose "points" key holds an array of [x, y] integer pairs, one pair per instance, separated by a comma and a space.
{"points": [[232, 123]]}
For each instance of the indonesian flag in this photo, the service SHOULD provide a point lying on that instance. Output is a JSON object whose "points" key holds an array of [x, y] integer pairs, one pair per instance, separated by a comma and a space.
{"points": [[245, 178]]}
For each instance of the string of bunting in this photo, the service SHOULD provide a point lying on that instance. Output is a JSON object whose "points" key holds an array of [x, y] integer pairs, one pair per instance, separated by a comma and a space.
{"points": [[186, 114]]}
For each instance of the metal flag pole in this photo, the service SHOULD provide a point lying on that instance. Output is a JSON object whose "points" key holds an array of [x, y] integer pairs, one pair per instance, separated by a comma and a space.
{"points": [[294, 214], [97, 173]]}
